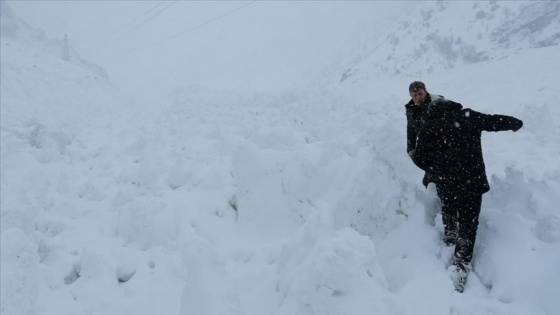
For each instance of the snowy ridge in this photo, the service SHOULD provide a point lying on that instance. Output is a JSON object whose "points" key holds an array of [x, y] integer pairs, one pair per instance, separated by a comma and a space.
{"points": [[436, 40], [16, 31], [300, 202]]}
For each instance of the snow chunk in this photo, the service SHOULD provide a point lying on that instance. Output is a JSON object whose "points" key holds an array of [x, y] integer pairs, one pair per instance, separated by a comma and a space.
{"points": [[548, 228]]}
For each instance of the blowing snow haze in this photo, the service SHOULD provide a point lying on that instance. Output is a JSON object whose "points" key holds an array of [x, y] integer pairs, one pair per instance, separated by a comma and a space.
{"points": [[149, 47], [190, 157]]}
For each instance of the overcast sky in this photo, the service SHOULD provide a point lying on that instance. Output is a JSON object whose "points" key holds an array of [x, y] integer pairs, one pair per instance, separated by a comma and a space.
{"points": [[151, 46]]}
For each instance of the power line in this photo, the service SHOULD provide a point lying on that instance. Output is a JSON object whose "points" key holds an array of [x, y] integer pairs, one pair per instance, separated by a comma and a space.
{"points": [[139, 25], [133, 20], [197, 26]]}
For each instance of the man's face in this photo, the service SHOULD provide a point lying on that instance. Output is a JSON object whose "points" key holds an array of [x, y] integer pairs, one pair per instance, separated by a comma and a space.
{"points": [[418, 96]]}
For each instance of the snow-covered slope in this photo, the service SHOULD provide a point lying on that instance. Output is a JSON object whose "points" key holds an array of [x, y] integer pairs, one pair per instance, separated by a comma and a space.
{"points": [[300, 202], [16, 31], [432, 37], [56, 116]]}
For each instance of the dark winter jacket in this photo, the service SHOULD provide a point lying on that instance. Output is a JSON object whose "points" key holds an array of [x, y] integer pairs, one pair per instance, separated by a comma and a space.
{"points": [[449, 145], [415, 118]]}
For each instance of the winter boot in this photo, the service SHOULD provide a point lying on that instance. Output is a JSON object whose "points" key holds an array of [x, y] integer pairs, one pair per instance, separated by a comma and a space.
{"points": [[458, 273]]}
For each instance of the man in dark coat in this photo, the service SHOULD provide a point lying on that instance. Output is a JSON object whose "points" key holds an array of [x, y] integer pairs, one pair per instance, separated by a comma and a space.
{"points": [[448, 146], [416, 110], [416, 114]]}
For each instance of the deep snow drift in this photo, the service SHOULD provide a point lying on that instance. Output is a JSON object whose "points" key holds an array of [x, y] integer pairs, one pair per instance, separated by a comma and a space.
{"points": [[297, 202]]}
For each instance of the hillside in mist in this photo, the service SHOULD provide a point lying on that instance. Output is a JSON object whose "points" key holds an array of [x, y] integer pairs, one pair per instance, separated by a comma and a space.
{"points": [[298, 201], [446, 34]]}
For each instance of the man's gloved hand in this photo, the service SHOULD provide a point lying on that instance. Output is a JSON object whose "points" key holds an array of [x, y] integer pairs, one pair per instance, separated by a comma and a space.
{"points": [[411, 153], [517, 126], [426, 180]]}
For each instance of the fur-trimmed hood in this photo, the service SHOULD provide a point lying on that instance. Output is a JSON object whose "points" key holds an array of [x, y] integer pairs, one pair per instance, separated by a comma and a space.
{"points": [[431, 98]]}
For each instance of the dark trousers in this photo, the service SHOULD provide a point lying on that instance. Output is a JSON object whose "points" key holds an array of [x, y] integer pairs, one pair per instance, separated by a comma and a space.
{"points": [[460, 211]]}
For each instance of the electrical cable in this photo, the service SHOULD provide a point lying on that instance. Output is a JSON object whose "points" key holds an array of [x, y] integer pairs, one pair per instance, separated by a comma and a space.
{"points": [[118, 29], [137, 26], [196, 27]]}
